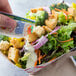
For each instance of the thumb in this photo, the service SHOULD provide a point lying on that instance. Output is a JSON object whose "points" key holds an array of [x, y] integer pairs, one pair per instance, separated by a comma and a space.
{"points": [[6, 22]]}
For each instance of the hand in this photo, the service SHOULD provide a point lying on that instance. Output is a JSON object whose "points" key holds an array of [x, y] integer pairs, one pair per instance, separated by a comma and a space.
{"points": [[6, 22], [5, 7]]}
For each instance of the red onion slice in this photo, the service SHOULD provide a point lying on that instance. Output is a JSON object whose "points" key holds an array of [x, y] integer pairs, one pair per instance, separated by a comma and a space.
{"points": [[56, 29], [41, 42]]}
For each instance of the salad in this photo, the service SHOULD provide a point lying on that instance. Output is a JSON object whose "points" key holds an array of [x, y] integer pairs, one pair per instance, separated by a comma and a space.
{"points": [[53, 35]]}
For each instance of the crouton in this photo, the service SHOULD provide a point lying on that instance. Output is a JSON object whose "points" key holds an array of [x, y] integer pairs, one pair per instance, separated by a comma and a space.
{"points": [[75, 18], [47, 29], [51, 22], [4, 45], [34, 10], [40, 9], [72, 11], [13, 54], [32, 37], [17, 42], [39, 30]]}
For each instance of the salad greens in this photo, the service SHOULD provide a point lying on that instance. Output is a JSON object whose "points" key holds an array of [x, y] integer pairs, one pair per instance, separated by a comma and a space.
{"points": [[4, 38], [59, 6], [62, 19], [23, 60], [64, 33], [41, 16], [23, 64], [25, 57], [53, 34], [50, 45]]}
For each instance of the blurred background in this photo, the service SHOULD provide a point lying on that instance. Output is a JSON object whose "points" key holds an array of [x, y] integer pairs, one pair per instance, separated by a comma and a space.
{"points": [[20, 7]]}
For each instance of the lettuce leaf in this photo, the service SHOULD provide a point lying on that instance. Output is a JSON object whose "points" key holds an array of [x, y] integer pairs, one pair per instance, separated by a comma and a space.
{"points": [[50, 45], [59, 6], [62, 20], [64, 33], [4, 38]]}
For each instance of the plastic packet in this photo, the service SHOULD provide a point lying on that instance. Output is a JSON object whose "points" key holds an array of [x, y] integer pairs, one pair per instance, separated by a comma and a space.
{"points": [[18, 30]]}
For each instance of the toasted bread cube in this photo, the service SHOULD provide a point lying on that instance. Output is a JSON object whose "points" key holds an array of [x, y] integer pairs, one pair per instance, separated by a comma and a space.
{"points": [[40, 9], [39, 30], [4, 45], [17, 42], [51, 22], [32, 37], [34, 10], [13, 54], [72, 11], [47, 29], [75, 18]]}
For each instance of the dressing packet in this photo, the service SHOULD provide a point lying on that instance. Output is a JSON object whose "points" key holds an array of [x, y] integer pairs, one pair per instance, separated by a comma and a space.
{"points": [[17, 27]]}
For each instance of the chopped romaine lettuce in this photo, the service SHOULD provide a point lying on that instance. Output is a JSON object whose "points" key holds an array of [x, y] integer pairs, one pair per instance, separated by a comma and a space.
{"points": [[64, 33], [23, 60], [50, 45], [41, 16], [25, 57], [62, 19], [59, 6], [4, 38]]}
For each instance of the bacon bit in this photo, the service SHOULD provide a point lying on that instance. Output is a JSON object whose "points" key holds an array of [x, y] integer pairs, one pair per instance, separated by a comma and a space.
{"points": [[67, 40], [52, 59], [57, 9]]}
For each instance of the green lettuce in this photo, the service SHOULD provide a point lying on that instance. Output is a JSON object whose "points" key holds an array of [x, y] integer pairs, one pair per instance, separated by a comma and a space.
{"points": [[23, 60], [62, 20], [25, 57], [4, 38], [64, 33], [50, 45], [39, 17], [59, 6]]}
